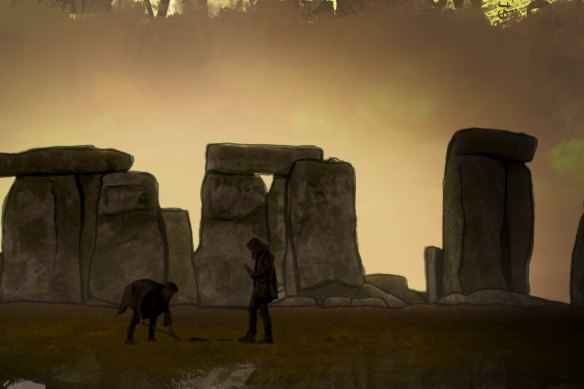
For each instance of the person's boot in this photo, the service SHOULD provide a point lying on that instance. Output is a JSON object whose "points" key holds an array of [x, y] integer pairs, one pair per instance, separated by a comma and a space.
{"points": [[130, 341], [248, 338], [267, 339]]}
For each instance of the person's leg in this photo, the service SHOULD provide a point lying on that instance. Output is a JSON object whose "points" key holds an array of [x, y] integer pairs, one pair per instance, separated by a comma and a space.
{"points": [[133, 322], [151, 328], [265, 315], [252, 324]]}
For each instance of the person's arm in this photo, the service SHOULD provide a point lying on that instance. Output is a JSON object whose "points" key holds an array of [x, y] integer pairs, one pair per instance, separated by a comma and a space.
{"points": [[263, 268]]}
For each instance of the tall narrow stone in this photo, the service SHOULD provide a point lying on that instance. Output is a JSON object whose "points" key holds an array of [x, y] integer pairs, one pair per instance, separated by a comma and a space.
{"points": [[181, 268], [434, 268], [577, 268], [277, 226]]}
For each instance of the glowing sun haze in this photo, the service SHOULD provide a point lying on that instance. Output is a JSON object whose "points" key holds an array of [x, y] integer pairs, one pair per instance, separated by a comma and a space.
{"points": [[384, 91]]}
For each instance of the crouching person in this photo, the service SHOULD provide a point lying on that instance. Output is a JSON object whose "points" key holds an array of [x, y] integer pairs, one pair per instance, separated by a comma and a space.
{"points": [[148, 299]]}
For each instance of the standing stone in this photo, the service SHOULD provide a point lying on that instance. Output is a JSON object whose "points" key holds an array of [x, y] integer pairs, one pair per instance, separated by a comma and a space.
{"points": [[483, 198], [234, 211], [181, 268], [520, 216], [277, 227], [434, 263], [322, 224], [577, 269], [488, 211], [90, 188], [41, 225], [130, 242]]}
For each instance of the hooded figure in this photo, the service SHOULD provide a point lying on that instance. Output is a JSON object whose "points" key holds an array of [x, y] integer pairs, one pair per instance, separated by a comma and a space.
{"points": [[148, 299], [265, 290]]}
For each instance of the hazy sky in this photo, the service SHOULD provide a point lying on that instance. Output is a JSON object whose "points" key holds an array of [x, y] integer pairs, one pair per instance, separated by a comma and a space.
{"points": [[384, 91]]}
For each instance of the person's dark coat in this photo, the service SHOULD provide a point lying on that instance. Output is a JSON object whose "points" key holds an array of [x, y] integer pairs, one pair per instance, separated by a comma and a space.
{"points": [[147, 299], [265, 284]]}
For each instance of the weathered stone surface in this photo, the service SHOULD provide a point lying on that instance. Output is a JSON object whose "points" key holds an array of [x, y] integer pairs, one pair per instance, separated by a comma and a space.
{"points": [[368, 290], [90, 188], [41, 225], [268, 159], [295, 301], [520, 216], [368, 302], [417, 297], [331, 289], [181, 268], [488, 212], [497, 143], [277, 228], [483, 199], [577, 268], [130, 241], [390, 283], [233, 212], [64, 160], [322, 224], [434, 262], [330, 302], [496, 297]]}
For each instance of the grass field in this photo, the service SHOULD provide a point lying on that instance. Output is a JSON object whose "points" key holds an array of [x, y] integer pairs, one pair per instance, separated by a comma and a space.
{"points": [[67, 346]]}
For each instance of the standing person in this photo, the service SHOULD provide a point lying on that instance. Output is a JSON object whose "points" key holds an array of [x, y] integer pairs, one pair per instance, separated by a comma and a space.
{"points": [[265, 290], [148, 299]]}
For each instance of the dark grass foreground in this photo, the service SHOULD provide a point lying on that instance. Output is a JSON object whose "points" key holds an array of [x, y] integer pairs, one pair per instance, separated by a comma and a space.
{"points": [[64, 346]]}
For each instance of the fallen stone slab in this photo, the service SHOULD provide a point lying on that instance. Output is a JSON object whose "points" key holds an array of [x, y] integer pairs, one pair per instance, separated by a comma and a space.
{"points": [[267, 159], [417, 297], [368, 302], [391, 301], [64, 160], [340, 301], [496, 297], [390, 283], [331, 289], [295, 301]]}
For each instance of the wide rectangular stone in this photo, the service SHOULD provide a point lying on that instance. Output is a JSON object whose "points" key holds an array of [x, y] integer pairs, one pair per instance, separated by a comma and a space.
{"points": [[495, 143], [268, 159], [64, 160]]}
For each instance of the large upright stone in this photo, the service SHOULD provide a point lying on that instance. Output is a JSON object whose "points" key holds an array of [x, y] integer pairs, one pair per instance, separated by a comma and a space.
{"points": [[488, 211], [577, 268], [322, 224], [234, 211], [434, 262], [41, 225], [63, 161], [250, 159], [181, 268], [130, 242], [277, 227]]}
